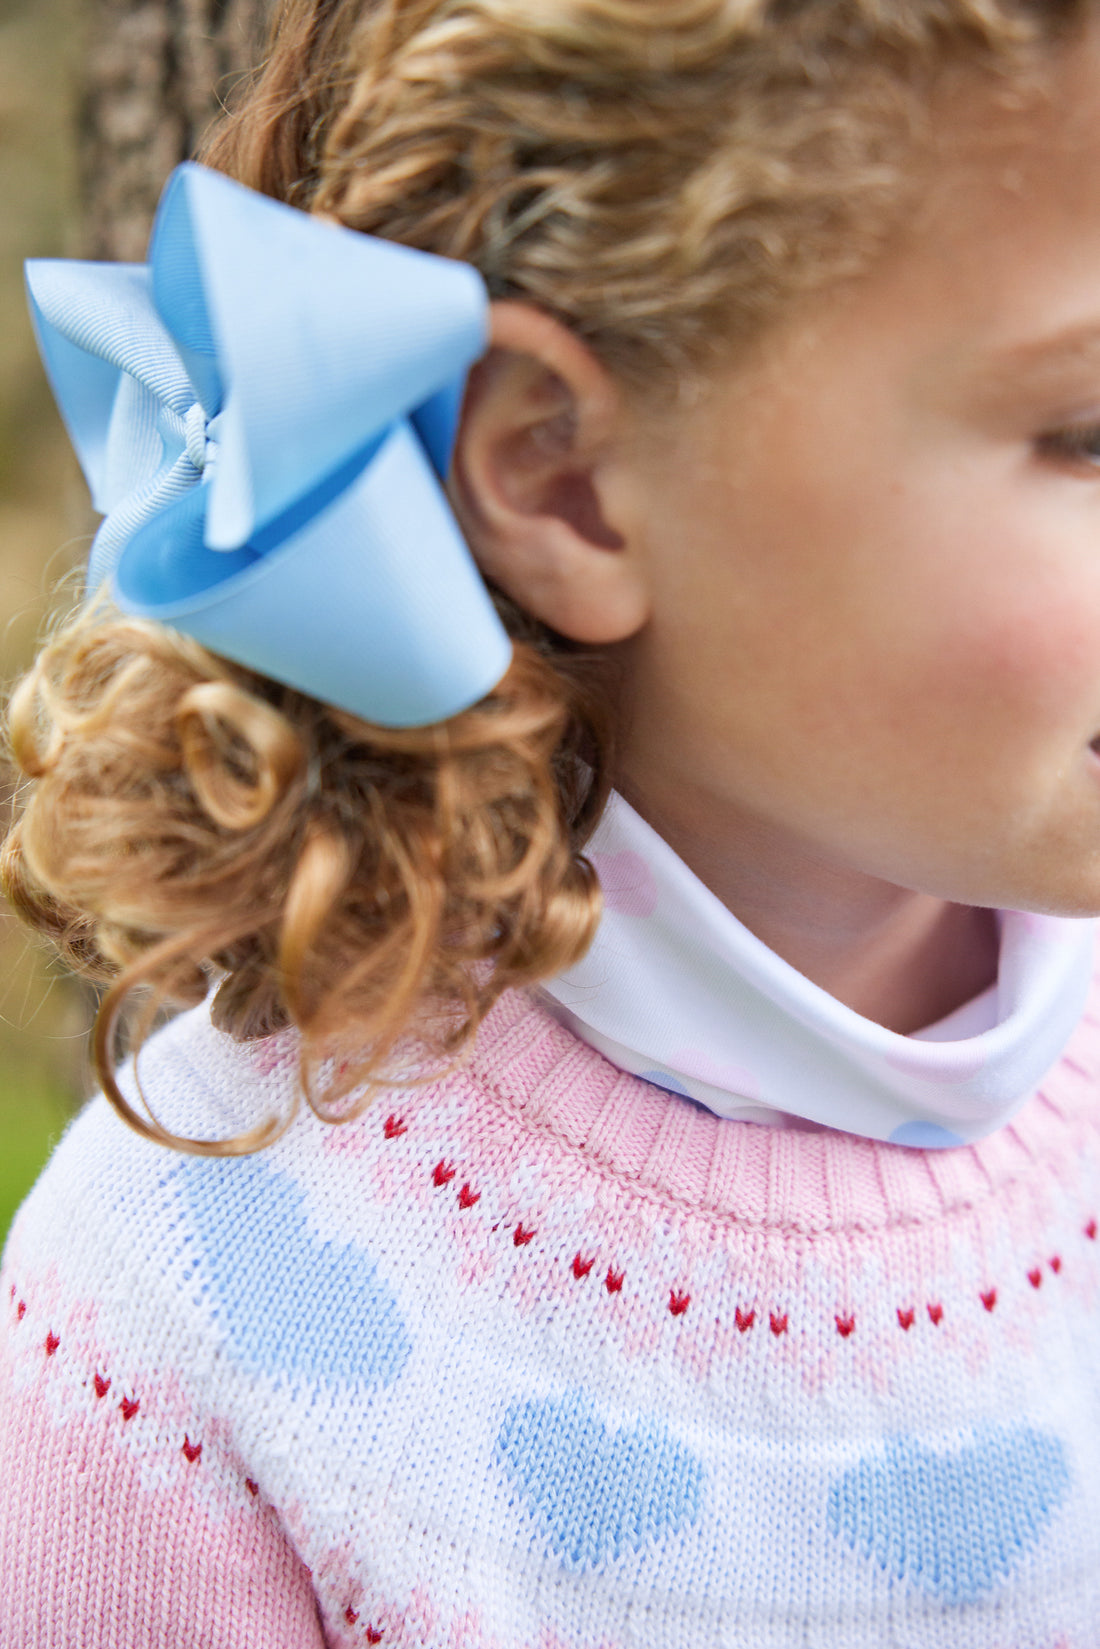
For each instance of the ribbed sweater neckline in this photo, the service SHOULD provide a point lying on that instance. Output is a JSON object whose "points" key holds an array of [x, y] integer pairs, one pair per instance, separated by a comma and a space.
{"points": [[676, 1151]]}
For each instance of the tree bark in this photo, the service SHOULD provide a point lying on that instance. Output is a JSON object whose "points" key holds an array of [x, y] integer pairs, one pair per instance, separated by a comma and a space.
{"points": [[155, 75]]}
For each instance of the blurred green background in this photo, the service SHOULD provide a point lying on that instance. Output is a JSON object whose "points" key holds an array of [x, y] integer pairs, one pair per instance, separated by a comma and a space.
{"points": [[44, 531]]}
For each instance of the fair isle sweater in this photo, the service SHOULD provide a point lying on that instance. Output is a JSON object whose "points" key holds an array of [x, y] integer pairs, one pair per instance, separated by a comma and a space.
{"points": [[541, 1357]]}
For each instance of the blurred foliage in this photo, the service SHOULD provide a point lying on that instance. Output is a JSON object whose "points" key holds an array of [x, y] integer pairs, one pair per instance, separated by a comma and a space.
{"points": [[141, 79], [45, 525]]}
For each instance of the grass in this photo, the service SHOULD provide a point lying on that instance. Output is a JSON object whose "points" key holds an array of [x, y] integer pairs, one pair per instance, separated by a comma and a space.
{"points": [[34, 1109], [44, 1059], [44, 1063], [42, 509]]}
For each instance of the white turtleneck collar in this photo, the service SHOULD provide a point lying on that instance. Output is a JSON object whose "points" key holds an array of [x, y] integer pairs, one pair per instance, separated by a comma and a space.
{"points": [[676, 990]]}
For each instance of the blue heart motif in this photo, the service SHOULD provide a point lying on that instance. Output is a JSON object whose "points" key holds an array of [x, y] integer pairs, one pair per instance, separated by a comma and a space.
{"points": [[954, 1523], [597, 1493], [291, 1304]]}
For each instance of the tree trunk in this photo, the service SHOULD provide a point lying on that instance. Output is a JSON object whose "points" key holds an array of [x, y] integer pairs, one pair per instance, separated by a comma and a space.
{"points": [[155, 73]]}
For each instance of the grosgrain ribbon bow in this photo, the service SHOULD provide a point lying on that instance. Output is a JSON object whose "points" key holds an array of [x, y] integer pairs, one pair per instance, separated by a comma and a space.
{"points": [[264, 413]]}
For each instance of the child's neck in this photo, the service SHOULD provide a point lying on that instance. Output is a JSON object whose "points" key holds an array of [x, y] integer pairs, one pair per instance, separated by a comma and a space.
{"points": [[902, 959]]}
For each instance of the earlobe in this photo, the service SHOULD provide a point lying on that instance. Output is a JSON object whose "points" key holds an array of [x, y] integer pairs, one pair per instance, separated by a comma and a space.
{"points": [[542, 483]]}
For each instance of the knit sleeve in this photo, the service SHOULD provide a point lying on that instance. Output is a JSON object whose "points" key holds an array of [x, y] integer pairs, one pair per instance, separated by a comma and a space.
{"points": [[128, 1516]]}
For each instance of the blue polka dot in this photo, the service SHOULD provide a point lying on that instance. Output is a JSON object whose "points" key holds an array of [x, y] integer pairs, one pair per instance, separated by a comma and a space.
{"points": [[662, 1079], [954, 1523], [291, 1304], [925, 1136], [597, 1493]]}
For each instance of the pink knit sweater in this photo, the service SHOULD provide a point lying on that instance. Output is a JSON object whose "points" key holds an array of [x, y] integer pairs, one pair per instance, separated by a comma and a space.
{"points": [[541, 1357]]}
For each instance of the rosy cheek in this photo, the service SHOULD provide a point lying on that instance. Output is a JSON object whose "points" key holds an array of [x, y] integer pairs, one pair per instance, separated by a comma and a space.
{"points": [[1040, 667], [1003, 629]]}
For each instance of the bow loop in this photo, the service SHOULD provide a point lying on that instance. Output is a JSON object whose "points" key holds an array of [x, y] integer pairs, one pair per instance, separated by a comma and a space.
{"points": [[265, 413], [371, 331], [102, 340]]}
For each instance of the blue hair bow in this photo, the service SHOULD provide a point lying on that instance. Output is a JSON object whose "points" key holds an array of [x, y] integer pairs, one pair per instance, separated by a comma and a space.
{"points": [[264, 413]]}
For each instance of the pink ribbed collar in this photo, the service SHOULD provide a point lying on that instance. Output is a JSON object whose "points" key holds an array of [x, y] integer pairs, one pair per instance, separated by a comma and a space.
{"points": [[801, 1181]]}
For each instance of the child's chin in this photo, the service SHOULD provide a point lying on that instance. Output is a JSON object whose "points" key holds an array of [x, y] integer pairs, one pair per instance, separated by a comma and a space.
{"points": [[1075, 899]]}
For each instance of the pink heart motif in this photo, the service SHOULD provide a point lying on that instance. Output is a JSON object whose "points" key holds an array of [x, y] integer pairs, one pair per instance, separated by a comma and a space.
{"points": [[629, 886]]}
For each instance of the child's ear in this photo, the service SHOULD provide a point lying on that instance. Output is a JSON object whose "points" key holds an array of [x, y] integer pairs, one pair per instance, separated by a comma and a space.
{"points": [[541, 485]]}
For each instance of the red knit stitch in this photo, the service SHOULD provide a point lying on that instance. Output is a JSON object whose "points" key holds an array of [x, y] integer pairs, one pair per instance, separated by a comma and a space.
{"points": [[373, 1635], [581, 1268], [395, 1127], [845, 1325], [521, 1236], [129, 1407], [935, 1313], [102, 1386], [193, 1451], [778, 1324], [744, 1319], [252, 1486], [677, 1302], [52, 1342], [466, 1197], [1090, 1231], [351, 1615], [905, 1318], [21, 1310], [1056, 1263], [1035, 1277], [613, 1282], [443, 1173], [989, 1299]]}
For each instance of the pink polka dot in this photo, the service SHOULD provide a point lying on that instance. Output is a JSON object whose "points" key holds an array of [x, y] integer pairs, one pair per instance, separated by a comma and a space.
{"points": [[954, 1064], [730, 1078], [628, 884], [1054, 931]]}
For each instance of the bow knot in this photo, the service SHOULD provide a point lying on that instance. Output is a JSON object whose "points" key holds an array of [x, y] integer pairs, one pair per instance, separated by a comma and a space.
{"points": [[198, 443], [324, 371]]}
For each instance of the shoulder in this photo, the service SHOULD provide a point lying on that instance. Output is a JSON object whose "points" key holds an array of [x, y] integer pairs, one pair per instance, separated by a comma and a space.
{"points": [[104, 1234], [195, 1081], [142, 1256]]}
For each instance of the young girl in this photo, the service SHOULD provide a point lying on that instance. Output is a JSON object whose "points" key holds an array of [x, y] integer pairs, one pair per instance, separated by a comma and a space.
{"points": [[721, 1269]]}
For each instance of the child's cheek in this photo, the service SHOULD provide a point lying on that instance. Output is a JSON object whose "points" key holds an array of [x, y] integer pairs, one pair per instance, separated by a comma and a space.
{"points": [[1034, 666], [1000, 613]]}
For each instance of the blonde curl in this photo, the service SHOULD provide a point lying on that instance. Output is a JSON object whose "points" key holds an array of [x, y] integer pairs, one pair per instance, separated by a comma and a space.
{"points": [[191, 827], [665, 176]]}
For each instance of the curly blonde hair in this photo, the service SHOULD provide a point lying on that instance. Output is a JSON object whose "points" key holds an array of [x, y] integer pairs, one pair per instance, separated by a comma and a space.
{"points": [[666, 177]]}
